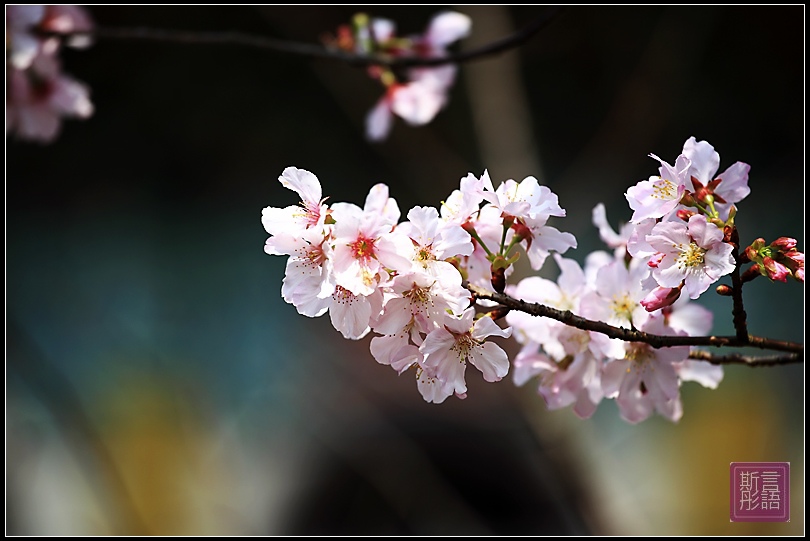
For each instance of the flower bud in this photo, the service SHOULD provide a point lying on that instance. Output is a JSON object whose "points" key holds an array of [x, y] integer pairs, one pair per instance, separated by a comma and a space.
{"points": [[784, 244], [685, 214], [688, 200], [522, 232], [498, 279], [732, 213], [775, 270], [661, 297], [724, 290], [795, 262], [469, 227], [656, 259]]}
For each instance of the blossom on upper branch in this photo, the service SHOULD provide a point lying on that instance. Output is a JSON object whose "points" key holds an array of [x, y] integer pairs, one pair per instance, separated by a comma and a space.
{"points": [[38, 94], [419, 93]]}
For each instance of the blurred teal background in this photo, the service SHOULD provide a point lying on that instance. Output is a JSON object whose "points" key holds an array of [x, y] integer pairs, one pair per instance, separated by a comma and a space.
{"points": [[157, 384]]}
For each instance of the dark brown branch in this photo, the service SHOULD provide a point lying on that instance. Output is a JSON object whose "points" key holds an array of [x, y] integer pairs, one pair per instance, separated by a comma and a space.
{"points": [[737, 311], [736, 358], [630, 335], [318, 51]]}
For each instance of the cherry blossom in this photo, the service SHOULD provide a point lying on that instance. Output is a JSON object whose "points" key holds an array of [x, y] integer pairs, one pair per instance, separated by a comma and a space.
{"points": [[411, 282], [421, 301], [645, 380], [38, 97], [351, 314], [728, 188], [365, 246], [460, 340], [693, 254], [22, 42], [434, 240], [310, 213], [38, 94], [418, 96], [617, 294], [417, 101], [658, 196], [616, 240], [308, 279]]}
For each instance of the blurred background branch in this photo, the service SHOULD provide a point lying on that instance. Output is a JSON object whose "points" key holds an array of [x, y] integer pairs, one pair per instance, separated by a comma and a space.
{"points": [[193, 37]]}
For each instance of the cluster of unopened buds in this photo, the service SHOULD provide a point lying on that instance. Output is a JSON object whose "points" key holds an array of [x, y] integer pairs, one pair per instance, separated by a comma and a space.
{"points": [[777, 260], [416, 284], [38, 93], [416, 94]]}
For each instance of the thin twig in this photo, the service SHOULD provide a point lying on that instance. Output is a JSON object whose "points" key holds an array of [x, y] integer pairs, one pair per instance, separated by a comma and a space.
{"points": [[736, 358], [316, 51], [630, 335]]}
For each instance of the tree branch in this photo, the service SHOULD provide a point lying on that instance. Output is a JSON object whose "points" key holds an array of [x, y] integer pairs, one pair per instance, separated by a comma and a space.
{"points": [[737, 311], [736, 358], [316, 51], [630, 335]]}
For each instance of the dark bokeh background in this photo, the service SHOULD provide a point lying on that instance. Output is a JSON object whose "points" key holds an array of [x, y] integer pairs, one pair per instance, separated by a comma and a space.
{"points": [[158, 384]]}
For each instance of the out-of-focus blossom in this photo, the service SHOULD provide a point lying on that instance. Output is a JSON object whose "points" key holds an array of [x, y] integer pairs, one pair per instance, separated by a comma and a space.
{"points": [[22, 44], [38, 94], [646, 380], [38, 97], [415, 95]]}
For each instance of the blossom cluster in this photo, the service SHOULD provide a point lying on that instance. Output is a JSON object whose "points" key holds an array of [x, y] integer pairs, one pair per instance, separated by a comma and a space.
{"points": [[417, 94], [410, 283], [38, 93]]}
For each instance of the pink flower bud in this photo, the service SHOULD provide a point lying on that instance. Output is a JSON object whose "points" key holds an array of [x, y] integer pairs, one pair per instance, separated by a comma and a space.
{"points": [[784, 244], [660, 297], [795, 262], [522, 232], [776, 271], [656, 259], [685, 214], [498, 279], [757, 244]]}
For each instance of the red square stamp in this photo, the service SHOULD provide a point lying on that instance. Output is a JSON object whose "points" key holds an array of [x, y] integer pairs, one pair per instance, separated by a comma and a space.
{"points": [[760, 492]]}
